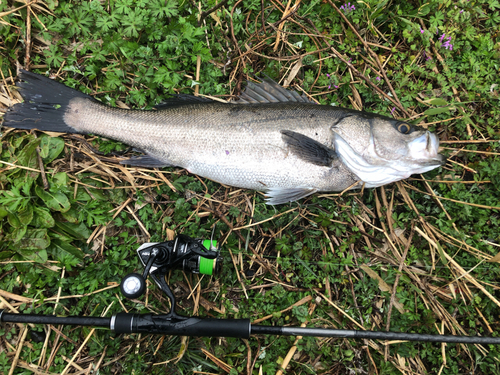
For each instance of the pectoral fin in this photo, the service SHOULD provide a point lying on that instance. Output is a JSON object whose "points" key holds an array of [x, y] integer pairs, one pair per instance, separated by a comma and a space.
{"points": [[308, 149], [146, 161], [282, 195]]}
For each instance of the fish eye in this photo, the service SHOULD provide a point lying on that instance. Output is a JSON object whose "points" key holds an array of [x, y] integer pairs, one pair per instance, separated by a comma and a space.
{"points": [[404, 128]]}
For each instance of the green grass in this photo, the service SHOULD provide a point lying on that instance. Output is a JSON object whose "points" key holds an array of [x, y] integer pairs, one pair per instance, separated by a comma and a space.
{"points": [[138, 53]]}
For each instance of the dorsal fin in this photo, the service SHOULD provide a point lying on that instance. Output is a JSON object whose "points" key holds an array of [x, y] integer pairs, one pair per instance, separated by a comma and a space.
{"points": [[269, 91], [182, 99]]}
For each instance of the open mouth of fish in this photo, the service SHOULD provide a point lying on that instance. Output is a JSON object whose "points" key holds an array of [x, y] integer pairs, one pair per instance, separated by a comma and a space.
{"points": [[422, 156], [424, 150]]}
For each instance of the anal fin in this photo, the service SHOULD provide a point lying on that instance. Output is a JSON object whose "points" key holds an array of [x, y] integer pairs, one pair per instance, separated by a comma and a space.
{"points": [[146, 161], [284, 195]]}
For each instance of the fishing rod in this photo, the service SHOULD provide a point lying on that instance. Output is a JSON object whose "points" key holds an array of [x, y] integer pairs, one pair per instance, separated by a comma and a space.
{"points": [[203, 257]]}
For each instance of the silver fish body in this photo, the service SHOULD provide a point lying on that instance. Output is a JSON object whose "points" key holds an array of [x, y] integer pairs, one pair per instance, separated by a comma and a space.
{"points": [[276, 142]]}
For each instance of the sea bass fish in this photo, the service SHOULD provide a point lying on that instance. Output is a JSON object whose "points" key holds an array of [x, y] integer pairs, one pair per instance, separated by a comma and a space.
{"points": [[272, 139]]}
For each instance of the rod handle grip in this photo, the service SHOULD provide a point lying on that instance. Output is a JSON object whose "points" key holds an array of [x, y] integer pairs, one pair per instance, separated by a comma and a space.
{"points": [[166, 325]]}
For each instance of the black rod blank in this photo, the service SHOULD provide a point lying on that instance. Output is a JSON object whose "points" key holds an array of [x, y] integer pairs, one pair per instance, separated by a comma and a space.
{"points": [[49, 319], [375, 335], [227, 328]]}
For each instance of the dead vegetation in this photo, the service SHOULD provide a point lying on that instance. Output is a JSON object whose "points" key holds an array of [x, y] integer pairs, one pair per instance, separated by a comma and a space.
{"points": [[437, 282]]}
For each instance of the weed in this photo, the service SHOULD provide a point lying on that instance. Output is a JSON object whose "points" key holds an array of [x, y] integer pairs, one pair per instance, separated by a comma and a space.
{"points": [[61, 209]]}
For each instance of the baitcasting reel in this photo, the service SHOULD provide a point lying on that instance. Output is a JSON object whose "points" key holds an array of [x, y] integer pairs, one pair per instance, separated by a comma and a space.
{"points": [[183, 253]]}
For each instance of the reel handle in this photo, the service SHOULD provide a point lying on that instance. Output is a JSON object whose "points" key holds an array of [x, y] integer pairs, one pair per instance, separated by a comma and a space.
{"points": [[133, 285]]}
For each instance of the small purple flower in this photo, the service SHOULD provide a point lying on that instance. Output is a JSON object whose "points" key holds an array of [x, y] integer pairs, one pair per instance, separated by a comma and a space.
{"points": [[392, 110], [422, 31], [378, 79], [447, 44], [442, 37], [330, 85], [461, 11], [347, 7]]}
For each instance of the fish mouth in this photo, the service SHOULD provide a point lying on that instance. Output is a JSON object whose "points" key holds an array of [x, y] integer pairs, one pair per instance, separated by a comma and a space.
{"points": [[425, 149], [421, 156]]}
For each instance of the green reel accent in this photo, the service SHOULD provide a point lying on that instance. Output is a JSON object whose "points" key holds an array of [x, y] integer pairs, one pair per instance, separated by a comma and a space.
{"points": [[206, 243], [207, 266]]}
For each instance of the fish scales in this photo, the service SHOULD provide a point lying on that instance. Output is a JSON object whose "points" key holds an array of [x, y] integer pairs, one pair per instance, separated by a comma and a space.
{"points": [[238, 145], [276, 141]]}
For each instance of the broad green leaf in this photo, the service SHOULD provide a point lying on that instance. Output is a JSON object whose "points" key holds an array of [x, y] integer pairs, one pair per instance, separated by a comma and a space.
{"points": [[25, 215], [62, 250], [98, 194], [39, 256], [424, 10], [28, 156], [12, 199], [18, 233], [42, 218], [61, 236], [3, 212], [71, 216], [50, 147], [14, 220], [436, 111], [78, 231], [95, 194], [35, 239], [101, 194], [56, 201], [82, 195], [437, 101], [16, 142], [60, 179], [6, 254], [408, 22]]}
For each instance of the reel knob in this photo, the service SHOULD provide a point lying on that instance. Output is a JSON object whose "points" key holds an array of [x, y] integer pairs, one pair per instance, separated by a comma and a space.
{"points": [[133, 286]]}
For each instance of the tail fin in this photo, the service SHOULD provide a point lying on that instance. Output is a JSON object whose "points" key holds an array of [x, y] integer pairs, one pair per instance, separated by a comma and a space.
{"points": [[45, 102]]}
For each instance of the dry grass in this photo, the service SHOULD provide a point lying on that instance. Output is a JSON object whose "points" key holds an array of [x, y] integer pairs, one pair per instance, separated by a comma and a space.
{"points": [[385, 245]]}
